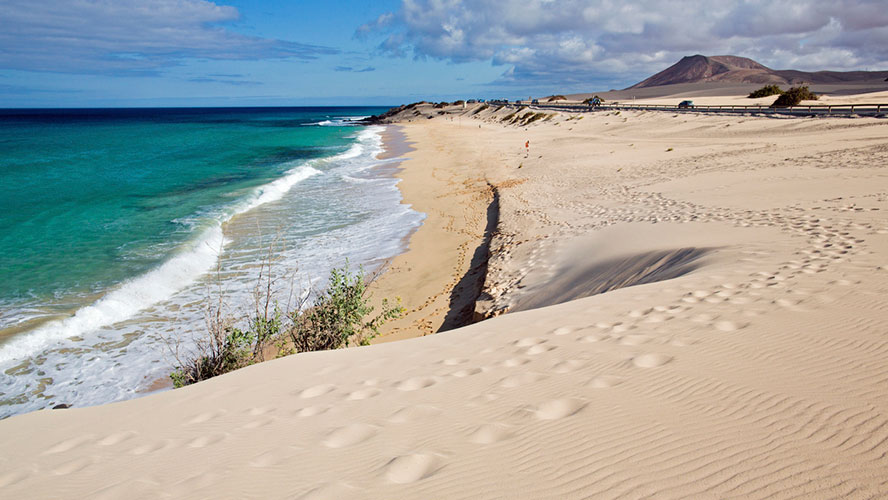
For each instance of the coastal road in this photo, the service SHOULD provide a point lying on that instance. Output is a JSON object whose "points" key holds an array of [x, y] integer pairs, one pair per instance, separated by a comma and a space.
{"points": [[850, 110]]}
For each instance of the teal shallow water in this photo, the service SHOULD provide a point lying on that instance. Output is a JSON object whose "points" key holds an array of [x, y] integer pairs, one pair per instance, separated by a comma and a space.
{"points": [[89, 201], [111, 222]]}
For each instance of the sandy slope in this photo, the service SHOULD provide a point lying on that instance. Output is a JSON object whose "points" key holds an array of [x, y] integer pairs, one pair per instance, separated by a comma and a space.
{"points": [[747, 361]]}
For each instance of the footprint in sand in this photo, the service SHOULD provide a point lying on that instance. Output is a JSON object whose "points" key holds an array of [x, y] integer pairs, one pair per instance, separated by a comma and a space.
{"points": [[68, 444], [651, 360], [521, 379], [564, 330], [332, 491], [538, 349], [468, 372], [605, 381], [635, 339], [411, 468], [558, 408], [567, 366], [72, 466], [530, 341], [255, 424], [269, 459], [416, 383], [595, 337], [657, 318], [201, 418], [513, 362], [728, 326], [364, 394], [10, 478], [414, 413], [310, 411], [260, 410], [318, 390], [153, 447], [454, 361], [350, 435], [204, 441], [491, 433], [116, 438], [702, 318]]}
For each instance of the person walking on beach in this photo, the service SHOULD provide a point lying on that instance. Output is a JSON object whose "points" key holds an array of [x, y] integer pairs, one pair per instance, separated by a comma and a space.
{"points": [[527, 149]]}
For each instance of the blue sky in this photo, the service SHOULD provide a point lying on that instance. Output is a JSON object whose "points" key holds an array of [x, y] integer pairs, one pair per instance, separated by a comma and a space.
{"points": [[248, 52]]}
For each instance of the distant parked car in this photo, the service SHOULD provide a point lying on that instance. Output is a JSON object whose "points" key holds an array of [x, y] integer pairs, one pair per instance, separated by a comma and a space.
{"points": [[686, 104], [535, 101]]}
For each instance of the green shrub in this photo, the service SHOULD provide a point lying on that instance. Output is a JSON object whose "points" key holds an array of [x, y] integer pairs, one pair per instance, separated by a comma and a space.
{"points": [[227, 348], [337, 318], [767, 90], [794, 96]]}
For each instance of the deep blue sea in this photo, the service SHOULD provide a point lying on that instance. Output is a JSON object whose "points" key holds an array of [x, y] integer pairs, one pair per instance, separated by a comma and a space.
{"points": [[116, 225]]}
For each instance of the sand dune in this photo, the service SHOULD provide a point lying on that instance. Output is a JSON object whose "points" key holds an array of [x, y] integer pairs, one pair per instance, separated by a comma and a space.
{"points": [[729, 339]]}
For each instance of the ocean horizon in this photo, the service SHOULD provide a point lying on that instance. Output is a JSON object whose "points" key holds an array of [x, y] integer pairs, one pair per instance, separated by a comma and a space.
{"points": [[116, 222]]}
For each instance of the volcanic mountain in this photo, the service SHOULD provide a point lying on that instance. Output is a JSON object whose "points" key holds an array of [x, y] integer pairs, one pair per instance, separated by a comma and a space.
{"points": [[733, 69]]}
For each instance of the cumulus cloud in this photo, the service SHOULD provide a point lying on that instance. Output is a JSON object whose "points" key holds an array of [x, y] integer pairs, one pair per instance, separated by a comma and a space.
{"points": [[128, 36], [562, 41]]}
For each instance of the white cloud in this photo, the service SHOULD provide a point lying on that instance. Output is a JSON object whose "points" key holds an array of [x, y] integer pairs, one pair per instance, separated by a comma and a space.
{"points": [[558, 41], [127, 36]]}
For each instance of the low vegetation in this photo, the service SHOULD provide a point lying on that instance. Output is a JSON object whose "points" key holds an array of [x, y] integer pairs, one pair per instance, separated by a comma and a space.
{"points": [[767, 90], [339, 316], [794, 96], [480, 109], [532, 117], [556, 98]]}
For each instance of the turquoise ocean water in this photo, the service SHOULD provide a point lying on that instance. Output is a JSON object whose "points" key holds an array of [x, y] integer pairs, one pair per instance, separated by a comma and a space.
{"points": [[114, 224]]}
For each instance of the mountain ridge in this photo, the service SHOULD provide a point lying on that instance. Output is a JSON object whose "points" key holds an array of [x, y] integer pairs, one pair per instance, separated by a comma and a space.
{"points": [[736, 69]]}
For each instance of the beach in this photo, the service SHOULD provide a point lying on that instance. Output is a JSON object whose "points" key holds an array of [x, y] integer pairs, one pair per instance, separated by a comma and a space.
{"points": [[636, 304]]}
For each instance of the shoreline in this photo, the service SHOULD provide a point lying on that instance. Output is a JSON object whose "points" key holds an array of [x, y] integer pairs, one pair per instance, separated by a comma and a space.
{"points": [[434, 275]]}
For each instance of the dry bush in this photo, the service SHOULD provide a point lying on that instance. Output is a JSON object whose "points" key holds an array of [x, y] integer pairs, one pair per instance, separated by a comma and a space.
{"points": [[767, 90], [794, 96], [336, 317]]}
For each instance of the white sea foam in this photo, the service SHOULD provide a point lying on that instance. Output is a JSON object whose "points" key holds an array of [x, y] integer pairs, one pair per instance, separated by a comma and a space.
{"points": [[339, 121], [196, 259], [128, 299]]}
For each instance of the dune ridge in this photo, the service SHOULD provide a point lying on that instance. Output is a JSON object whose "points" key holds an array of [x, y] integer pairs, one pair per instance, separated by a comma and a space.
{"points": [[753, 369]]}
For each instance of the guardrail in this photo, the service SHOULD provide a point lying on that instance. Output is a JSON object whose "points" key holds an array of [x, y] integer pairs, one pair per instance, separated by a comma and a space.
{"points": [[809, 110]]}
